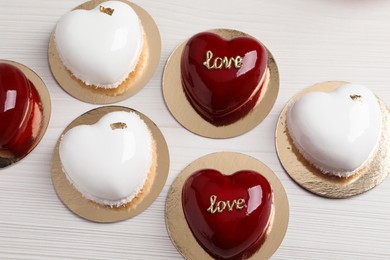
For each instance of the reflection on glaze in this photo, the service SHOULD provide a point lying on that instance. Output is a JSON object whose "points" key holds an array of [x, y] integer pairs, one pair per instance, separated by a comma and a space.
{"points": [[228, 215], [255, 197], [338, 131], [249, 63], [10, 100]]}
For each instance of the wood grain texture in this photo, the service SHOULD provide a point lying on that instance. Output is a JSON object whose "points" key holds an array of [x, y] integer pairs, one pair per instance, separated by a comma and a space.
{"points": [[312, 41]]}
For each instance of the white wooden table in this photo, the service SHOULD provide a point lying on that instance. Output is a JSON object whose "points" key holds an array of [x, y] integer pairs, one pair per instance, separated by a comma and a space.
{"points": [[312, 41]]}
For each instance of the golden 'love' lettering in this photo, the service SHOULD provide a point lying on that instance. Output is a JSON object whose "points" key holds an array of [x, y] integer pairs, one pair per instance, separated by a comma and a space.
{"points": [[220, 206], [219, 63]]}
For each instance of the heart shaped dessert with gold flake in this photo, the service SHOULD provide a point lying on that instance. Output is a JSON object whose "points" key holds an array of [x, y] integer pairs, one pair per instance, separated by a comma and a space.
{"points": [[337, 132]]}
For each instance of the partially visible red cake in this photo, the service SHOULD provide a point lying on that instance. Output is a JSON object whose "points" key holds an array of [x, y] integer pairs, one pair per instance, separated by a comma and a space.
{"points": [[20, 112]]}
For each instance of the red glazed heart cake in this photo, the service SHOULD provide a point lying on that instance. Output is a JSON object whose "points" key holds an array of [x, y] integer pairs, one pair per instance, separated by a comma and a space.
{"points": [[224, 79], [20, 112], [229, 215]]}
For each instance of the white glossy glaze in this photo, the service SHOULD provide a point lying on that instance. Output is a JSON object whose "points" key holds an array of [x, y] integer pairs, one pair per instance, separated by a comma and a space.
{"points": [[108, 165], [100, 49], [334, 132]]}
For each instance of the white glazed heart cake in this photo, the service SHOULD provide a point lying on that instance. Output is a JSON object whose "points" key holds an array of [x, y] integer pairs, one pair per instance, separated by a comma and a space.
{"points": [[103, 46], [337, 132], [111, 162]]}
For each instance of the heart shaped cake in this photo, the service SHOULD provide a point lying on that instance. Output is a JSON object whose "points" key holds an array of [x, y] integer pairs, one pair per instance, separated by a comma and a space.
{"points": [[112, 162], [223, 79], [336, 132], [229, 215], [20, 111], [103, 46]]}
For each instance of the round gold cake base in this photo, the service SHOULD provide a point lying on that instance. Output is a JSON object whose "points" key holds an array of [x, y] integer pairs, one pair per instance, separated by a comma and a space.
{"points": [[312, 179], [90, 210], [228, 163]]}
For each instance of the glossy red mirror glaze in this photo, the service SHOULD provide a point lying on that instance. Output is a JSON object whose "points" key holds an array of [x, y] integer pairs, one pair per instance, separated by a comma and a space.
{"points": [[228, 215], [19, 108], [220, 77]]}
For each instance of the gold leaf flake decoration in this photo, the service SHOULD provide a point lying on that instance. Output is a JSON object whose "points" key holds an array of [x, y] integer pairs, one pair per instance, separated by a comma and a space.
{"points": [[356, 98], [118, 125], [106, 10]]}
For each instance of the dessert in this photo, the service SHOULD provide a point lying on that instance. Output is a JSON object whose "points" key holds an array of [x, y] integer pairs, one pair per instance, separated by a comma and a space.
{"points": [[20, 112], [224, 79], [104, 48], [336, 132], [111, 162], [229, 215]]}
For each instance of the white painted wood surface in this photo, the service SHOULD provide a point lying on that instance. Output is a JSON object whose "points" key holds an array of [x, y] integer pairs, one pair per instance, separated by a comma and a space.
{"points": [[312, 40]]}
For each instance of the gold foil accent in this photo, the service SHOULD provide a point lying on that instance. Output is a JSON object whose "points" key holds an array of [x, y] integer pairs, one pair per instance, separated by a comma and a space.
{"points": [[118, 125], [184, 113], [356, 98], [149, 61], [224, 62], [312, 179], [220, 206], [106, 10], [90, 210], [7, 158], [228, 163]]}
